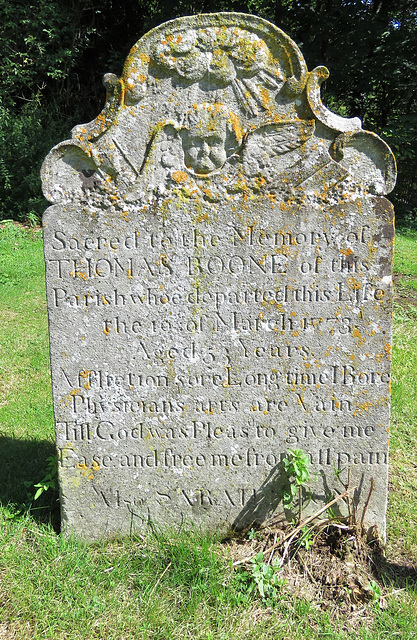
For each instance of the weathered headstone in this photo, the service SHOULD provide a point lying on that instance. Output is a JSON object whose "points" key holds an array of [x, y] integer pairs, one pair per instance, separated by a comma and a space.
{"points": [[218, 264]]}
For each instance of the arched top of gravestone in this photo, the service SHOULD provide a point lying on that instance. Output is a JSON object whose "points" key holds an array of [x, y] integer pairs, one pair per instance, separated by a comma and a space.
{"points": [[217, 51], [217, 93]]}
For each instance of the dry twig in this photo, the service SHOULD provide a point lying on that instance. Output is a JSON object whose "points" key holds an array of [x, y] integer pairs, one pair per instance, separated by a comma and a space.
{"points": [[159, 580], [367, 501], [297, 529]]}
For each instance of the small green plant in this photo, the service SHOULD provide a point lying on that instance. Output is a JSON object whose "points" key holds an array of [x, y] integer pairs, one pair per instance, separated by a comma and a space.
{"points": [[12, 512], [261, 577], [254, 535], [297, 469], [306, 538], [376, 593], [244, 585], [266, 577], [50, 481]]}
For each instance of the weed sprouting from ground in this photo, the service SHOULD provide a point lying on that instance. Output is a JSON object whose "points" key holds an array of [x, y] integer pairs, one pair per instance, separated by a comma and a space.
{"points": [[50, 479], [297, 471]]}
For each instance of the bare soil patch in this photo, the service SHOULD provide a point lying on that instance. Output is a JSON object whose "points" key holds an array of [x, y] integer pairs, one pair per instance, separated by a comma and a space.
{"points": [[339, 571]]}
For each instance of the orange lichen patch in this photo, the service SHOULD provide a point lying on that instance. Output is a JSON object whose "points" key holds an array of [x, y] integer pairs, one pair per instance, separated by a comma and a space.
{"points": [[180, 176], [387, 348], [141, 77], [95, 466], [353, 284], [81, 275], [85, 374], [236, 126], [102, 122], [82, 466], [260, 181], [202, 216], [283, 206], [300, 398], [106, 330], [163, 259], [346, 252], [265, 97], [74, 392], [144, 58], [363, 407]]}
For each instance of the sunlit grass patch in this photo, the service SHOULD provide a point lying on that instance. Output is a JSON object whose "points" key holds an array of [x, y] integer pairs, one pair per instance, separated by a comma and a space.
{"points": [[405, 254]]}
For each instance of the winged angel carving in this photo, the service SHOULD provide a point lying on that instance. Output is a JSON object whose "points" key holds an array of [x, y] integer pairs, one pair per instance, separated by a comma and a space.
{"points": [[219, 108]]}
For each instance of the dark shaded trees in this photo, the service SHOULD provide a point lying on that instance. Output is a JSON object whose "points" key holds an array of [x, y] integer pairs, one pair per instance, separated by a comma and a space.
{"points": [[54, 54], [370, 47]]}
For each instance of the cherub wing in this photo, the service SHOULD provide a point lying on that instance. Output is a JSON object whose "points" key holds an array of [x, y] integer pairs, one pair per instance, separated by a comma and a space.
{"points": [[266, 145]]}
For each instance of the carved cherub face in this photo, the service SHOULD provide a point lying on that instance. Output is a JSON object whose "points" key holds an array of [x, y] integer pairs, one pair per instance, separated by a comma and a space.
{"points": [[210, 135]]}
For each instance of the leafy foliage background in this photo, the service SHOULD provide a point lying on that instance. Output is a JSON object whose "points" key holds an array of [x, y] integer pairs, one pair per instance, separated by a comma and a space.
{"points": [[55, 52]]}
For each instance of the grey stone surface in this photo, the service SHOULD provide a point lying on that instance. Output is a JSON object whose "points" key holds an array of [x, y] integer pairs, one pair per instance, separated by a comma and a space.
{"points": [[218, 264]]}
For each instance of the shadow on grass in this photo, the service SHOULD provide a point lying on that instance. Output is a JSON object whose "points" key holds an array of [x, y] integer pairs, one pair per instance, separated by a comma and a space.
{"points": [[22, 465], [399, 574]]}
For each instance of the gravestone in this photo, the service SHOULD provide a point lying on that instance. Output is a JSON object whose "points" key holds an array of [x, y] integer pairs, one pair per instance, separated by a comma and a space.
{"points": [[218, 266]]}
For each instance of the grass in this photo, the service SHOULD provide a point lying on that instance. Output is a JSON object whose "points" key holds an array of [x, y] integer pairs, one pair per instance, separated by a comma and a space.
{"points": [[405, 252], [403, 503], [164, 584]]}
